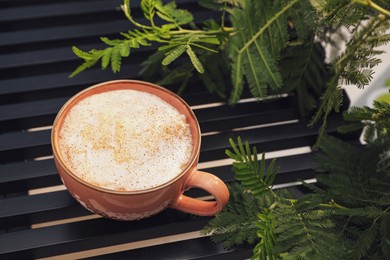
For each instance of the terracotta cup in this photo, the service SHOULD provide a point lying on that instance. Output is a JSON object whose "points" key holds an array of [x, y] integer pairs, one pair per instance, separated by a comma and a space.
{"points": [[131, 205]]}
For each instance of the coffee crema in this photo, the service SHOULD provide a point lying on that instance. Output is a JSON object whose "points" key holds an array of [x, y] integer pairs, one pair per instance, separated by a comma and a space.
{"points": [[125, 140]]}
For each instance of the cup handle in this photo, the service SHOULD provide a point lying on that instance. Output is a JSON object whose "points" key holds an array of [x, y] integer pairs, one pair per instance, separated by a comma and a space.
{"points": [[210, 183]]}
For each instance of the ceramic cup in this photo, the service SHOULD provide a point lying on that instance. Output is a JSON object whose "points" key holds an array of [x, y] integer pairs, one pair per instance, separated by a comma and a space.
{"points": [[131, 205]]}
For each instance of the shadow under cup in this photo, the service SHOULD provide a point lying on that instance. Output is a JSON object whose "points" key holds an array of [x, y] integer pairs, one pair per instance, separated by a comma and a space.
{"points": [[131, 205]]}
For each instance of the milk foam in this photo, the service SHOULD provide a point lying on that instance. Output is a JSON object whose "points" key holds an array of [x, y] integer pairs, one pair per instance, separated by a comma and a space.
{"points": [[125, 140]]}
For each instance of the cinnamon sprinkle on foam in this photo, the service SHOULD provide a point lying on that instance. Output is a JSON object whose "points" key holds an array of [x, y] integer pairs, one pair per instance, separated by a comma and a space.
{"points": [[125, 140]]}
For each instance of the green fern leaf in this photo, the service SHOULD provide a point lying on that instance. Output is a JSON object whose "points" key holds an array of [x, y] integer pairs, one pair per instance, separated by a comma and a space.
{"points": [[172, 14], [368, 212], [306, 232], [138, 38], [214, 78], [348, 67], [90, 59], [365, 241], [116, 60], [355, 180], [207, 39], [148, 8], [255, 59], [237, 80], [257, 47], [82, 54], [82, 67], [109, 42], [194, 59], [303, 67], [237, 222], [266, 226], [256, 178], [174, 54], [237, 3], [126, 8], [385, 235], [106, 59], [377, 120]]}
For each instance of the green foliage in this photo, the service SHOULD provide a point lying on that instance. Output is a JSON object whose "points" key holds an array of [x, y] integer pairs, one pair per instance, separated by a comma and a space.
{"points": [[172, 38], [280, 226], [253, 48], [256, 46], [303, 67], [266, 232], [358, 182], [251, 205], [375, 119], [306, 232], [314, 226], [259, 47], [266, 38], [213, 78], [237, 222], [264, 30], [354, 65], [252, 175], [274, 47]]}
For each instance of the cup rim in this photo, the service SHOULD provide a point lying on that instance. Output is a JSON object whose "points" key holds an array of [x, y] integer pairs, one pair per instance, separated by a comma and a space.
{"points": [[58, 156]]}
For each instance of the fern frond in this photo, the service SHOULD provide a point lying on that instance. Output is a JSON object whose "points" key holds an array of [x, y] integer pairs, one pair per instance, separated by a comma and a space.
{"points": [[168, 33], [113, 54], [303, 21], [148, 9], [237, 3], [256, 47], [341, 13], [376, 119], [237, 79], [366, 240], [303, 67], [336, 153], [265, 231], [214, 78], [125, 7], [254, 177], [173, 54], [331, 100], [385, 235], [348, 68], [237, 222], [304, 231], [194, 59], [357, 182], [170, 13], [90, 59]]}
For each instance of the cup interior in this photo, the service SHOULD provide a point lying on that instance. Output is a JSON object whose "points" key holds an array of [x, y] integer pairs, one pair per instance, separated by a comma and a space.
{"points": [[163, 93]]}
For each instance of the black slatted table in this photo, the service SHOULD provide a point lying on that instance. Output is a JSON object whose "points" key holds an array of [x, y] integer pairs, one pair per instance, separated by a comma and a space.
{"points": [[38, 218]]}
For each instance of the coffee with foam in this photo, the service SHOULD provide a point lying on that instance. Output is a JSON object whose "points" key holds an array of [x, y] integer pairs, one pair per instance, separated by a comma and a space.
{"points": [[125, 140]]}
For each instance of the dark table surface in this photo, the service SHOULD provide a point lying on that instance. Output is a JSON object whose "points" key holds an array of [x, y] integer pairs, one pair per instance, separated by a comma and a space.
{"points": [[38, 217]]}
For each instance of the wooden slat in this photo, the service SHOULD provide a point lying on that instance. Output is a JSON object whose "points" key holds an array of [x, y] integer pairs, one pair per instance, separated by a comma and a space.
{"points": [[95, 233], [198, 248], [31, 109], [58, 10]]}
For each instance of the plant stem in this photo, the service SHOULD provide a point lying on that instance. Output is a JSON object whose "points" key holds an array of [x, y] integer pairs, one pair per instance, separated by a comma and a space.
{"points": [[332, 204], [203, 47], [374, 6], [271, 208], [186, 31], [126, 9]]}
